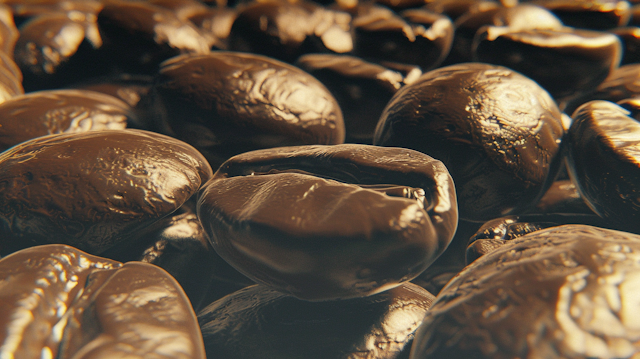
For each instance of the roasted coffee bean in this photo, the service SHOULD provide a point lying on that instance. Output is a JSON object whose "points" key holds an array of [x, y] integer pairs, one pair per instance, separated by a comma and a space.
{"points": [[138, 36], [454, 9], [261, 322], [93, 190], [564, 62], [361, 88], [603, 161], [414, 36], [56, 49], [42, 113], [497, 132], [328, 222], [562, 292], [59, 302], [589, 14], [225, 103], [286, 30], [517, 18]]}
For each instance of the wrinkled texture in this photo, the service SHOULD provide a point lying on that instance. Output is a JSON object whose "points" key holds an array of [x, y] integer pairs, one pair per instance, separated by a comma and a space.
{"points": [[59, 302], [95, 189], [273, 216], [225, 103], [51, 112], [563, 292], [261, 322], [497, 132]]}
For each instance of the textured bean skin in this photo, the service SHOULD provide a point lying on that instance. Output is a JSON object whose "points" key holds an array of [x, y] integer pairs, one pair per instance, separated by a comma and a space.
{"points": [[60, 111], [95, 189], [289, 224], [225, 103], [260, 322], [562, 292], [60, 302], [497, 132]]}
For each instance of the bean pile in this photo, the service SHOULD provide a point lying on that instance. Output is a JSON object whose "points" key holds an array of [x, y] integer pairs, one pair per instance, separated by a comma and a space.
{"points": [[397, 179]]}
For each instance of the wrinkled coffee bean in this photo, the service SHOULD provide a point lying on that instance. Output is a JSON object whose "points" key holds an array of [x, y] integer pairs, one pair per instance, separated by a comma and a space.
{"points": [[300, 219], [42, 113], [58, 302], [93, 190], [261, 322], [497, 132], [562, 292], [226, 103]]}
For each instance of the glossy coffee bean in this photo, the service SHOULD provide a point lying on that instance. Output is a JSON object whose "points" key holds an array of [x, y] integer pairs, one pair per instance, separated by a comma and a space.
{"points": [[562, 292], [42, 113], [225, 103], [59, 302], [521, 17], [564, 62], [286, 30], [497, 132], [137, 36], [55, 49], [93, 190], [261, 322], [604, 163], [415, 36], [589, 14], [329, 222]]}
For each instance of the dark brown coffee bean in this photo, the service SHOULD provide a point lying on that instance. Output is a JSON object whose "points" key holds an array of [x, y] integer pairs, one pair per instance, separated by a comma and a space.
{"points": [[564, 62], [225, 103], [93, 190], [261, 322], [42, 113], [562, 292], [327, 222], [603, 160], [59, 302], [497, 132]]}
